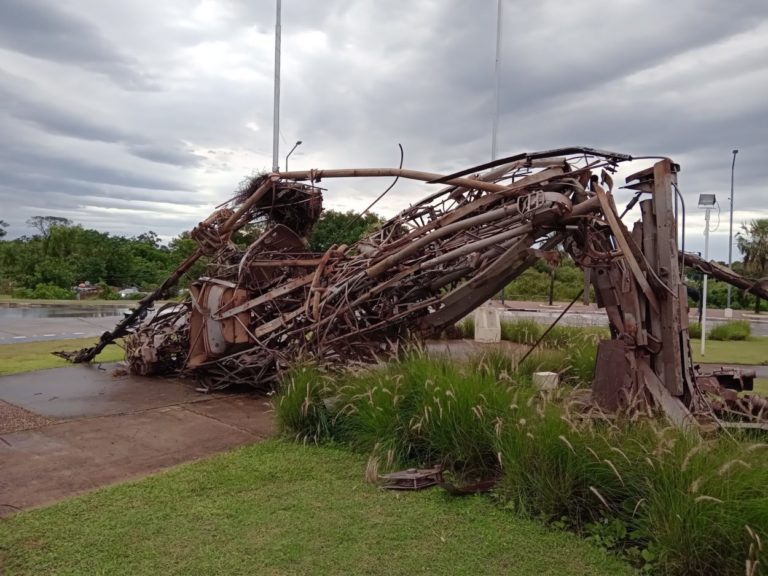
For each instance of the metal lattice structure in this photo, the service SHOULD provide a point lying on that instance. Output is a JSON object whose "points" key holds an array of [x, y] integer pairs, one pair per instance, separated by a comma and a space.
{"points": [[260, 309]]}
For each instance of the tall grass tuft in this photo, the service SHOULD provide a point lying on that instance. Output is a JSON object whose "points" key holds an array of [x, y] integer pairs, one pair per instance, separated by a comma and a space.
{"points": [[467, 327], [521, 331], [733, 330], [669, 501], [303, 405]]}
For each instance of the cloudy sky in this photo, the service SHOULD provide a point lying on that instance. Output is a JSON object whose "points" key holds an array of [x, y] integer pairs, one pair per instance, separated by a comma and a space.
{"points": [[129, 116]]}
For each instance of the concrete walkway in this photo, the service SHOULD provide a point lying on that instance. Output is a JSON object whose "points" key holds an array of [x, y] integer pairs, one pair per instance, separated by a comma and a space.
{"points": [[70, 430]]}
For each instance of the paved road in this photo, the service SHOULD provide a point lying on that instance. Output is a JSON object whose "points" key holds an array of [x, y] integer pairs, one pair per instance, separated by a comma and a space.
{"points": [[15, 330], [581, 315], [35, 329]]}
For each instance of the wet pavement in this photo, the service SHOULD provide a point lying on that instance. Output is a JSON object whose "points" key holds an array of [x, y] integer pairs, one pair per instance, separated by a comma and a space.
{"points": [[94, 429], [91, 390]]}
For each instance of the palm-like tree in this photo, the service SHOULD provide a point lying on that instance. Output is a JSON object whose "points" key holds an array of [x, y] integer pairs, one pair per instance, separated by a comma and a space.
{"points": [[752, 242]]}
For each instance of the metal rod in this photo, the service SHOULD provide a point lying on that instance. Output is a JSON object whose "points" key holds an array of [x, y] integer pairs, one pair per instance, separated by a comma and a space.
{"points": [[730, 229], [548, 330], [276, 112]]}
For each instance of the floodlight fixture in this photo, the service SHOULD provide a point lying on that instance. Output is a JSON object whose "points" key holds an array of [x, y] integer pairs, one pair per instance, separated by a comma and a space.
{"points": [[707, 200]]}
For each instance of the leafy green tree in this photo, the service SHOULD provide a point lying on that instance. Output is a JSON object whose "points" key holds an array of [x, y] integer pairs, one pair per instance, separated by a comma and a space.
{"points": [[3, 226], [336, 227], [752, 242], [44, 223], [180, 249]]}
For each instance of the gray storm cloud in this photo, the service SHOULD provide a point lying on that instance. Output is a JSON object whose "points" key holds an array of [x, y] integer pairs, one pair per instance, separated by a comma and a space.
{"points": [[129, 117]]}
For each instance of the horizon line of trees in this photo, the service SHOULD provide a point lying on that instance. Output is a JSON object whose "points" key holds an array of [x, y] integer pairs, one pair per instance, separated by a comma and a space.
{"points": [[63, 254]]}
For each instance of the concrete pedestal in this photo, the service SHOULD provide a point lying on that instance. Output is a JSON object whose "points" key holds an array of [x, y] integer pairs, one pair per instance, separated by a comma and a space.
{"points": [[487, 324]]}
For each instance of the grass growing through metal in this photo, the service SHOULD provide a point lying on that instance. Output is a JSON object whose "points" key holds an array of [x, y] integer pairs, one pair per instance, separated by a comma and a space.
{"points": [[670, 502], [281, 508], [29, 356]]}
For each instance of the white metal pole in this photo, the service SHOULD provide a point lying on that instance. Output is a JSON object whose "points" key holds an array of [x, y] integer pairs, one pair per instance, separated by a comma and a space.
{"points": [[730, 229], [497, 89], [497, 71], [704, 289], [276, 112]]}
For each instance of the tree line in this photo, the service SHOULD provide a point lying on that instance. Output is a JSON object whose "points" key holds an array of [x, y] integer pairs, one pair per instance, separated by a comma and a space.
{"points": [[62, 254]]}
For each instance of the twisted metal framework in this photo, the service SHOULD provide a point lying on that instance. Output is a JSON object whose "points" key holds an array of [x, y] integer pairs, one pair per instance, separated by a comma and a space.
{"points": [[260, 309], [422, 270]]}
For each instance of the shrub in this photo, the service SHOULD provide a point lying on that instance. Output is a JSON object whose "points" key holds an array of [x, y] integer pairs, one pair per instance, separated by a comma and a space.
{"points": [[467, 327], [521, 331], [106, 293], [302, 407], [694, 330], [44, 292], [733, 330]]}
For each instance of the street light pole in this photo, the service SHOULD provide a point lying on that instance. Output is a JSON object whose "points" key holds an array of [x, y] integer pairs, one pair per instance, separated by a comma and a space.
{"points": [[730, 234], [706, 201], [298, 143], [276, 112], [497, 89], [497, 73], [704, 290]]}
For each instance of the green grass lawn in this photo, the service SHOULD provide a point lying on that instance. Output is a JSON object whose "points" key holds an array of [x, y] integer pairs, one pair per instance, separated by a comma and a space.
{"points": [[28, 356], [282, 508], [753, 351]]}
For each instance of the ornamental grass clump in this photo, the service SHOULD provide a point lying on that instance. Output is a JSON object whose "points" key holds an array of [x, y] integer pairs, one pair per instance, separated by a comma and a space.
{"points": [[666, 499], [521, 331], [303, 407], [704, 505], [733, 330]]}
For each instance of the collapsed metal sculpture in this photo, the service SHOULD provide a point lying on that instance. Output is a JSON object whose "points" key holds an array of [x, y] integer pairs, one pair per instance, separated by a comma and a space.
{"points": [[260, 309]]}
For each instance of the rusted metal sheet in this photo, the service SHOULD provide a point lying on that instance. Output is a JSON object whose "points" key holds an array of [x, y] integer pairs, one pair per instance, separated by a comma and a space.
{"points": [[612, 378], [413, 478]]}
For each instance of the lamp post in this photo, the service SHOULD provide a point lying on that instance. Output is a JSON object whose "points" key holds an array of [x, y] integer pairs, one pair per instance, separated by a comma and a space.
{"points": [[497, 78], [298, 143], [728, 309], [706, 201], [276, 111], [497, 89]]}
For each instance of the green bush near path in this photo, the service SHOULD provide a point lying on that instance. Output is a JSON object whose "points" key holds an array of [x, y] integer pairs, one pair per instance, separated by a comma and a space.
{"points": [[669, 502], [733, 330], [281, 508]]}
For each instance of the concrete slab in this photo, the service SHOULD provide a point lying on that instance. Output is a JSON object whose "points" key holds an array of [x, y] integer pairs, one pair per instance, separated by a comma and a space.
{"points": [[250, 413], [47, 464], [86, 391]]}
